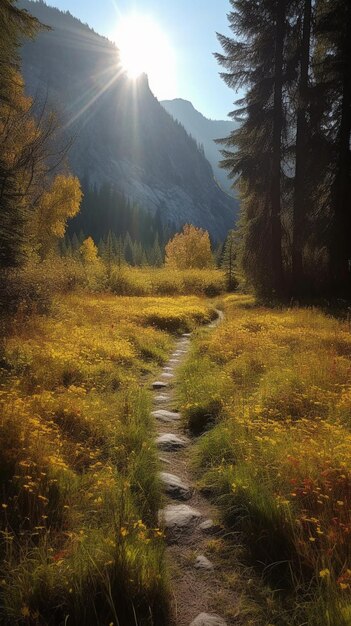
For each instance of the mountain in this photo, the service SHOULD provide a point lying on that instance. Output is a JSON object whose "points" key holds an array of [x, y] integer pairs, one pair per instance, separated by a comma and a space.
{"points": [[205, 132], [122, 134]]}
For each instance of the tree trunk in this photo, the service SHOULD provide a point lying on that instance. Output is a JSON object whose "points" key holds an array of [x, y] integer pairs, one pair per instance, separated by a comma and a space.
{"points": [[275, 191], [300, 187], [341, 243]]}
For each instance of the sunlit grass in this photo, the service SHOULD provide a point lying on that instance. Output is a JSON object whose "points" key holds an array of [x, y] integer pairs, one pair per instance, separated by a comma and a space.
{"points": [[80, 493], [278, 461], [167, 281]]}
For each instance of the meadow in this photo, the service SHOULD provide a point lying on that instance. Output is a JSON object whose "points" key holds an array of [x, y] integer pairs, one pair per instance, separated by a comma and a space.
{"points": [[269, 390], [80, 493], [266, 394]]}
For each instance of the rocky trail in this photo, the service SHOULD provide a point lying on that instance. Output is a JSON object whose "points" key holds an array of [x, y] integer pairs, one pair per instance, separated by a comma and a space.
{"points": [[202, 592]]}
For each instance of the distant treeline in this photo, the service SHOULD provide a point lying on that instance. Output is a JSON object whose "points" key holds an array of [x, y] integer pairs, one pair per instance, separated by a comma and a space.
{"points": [[122, 231], [113, 220], [117, 250]]}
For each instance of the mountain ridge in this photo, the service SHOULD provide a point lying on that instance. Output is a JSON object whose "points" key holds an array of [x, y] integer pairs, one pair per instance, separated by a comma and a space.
{"points": [[205, 131], [123, 134]]}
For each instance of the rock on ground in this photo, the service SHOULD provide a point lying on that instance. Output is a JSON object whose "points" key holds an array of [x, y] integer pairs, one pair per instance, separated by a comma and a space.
{"points": [[209, 527], [159, 384], [175, 516], [175, 487], [203, 563], [205, 619], [161, 397], [166, 416], [171, 442]]}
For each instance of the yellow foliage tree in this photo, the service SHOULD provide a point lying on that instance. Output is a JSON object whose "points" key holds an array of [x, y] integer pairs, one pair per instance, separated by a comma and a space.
{"points": [[88, 251], [35, 207], [189, 249], [55, 207]]}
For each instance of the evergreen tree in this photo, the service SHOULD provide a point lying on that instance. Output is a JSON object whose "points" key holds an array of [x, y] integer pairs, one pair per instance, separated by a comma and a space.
{"points": [[254, 152], [333, 33], [14, 25], [109, 254], [155, 256], [68, 246], [218, 254], [302, 157], [128, 251], [119, 248], [229, 260], [292, 151], [75, 245]]}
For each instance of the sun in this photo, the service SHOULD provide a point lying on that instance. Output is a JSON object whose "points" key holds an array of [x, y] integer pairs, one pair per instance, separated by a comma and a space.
{"points": [[144, 48]]}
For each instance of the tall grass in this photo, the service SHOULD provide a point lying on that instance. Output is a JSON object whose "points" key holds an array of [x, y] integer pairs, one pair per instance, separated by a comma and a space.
{"points": [[79, 537], [278, 459], [167, 281]]}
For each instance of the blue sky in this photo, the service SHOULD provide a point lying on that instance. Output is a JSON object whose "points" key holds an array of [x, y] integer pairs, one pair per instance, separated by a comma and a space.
{"points": [[190, 27]]}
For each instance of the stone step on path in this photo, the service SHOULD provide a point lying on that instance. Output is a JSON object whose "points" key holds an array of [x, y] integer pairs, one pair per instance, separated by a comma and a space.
{"points": [[171, 442], [161, 397], [188, 527], [175, 487], [165, 416], [159, 384], [204, 619]]}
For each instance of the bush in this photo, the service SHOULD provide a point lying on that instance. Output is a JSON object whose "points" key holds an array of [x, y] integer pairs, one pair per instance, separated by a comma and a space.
{"points": [[129, 282]]}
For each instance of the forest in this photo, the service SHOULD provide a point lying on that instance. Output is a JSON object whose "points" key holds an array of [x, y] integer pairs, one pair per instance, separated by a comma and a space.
{"points": [[294, 59], [175, 424]]}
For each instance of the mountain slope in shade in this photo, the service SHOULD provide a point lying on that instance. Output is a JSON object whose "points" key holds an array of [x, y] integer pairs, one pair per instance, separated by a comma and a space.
{"points": [[205, 131], [122, 133]]}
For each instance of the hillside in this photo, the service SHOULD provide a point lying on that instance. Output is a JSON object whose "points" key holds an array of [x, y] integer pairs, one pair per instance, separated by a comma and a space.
{"points": [[205, 131], [122, 133]]}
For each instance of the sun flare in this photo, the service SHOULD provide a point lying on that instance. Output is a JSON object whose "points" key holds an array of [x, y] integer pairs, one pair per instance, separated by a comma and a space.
{"points": [[144, 48]]}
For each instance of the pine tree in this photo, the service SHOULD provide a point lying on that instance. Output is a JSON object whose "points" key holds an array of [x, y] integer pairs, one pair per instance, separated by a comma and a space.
{"points": [[302, 156], [75, 245], [109, 254], [128, 251], [14, 25], [255, 151], [333, 28], [119, 248], [229, 260], [155, 255]]}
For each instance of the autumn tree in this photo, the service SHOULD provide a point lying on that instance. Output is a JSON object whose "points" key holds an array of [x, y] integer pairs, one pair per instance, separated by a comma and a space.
{"points": [[35, 205], [190, 248], [55, 206], [88, 251]]}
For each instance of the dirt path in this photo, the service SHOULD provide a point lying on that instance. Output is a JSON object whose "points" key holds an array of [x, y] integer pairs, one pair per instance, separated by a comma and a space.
{"points": [[202, 587]]}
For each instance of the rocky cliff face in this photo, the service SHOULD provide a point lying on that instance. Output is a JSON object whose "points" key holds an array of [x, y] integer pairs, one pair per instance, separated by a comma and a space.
{"points": [[122, 133], [205, 132]]}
